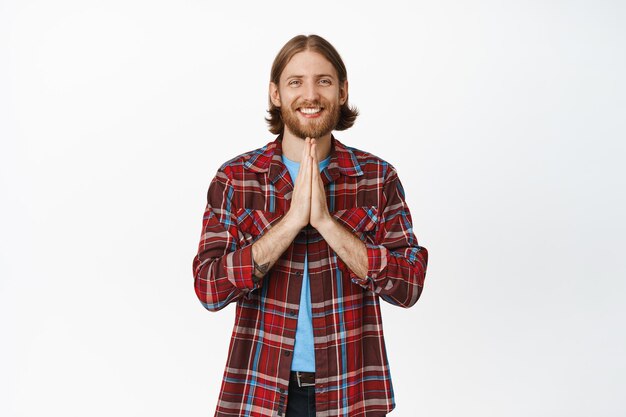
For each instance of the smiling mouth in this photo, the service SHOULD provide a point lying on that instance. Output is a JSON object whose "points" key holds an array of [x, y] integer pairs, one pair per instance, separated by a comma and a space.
{"points": [[310, 111]]}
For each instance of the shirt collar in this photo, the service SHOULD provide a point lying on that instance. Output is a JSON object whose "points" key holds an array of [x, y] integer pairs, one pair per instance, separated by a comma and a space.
{"points": [[269, 158]]}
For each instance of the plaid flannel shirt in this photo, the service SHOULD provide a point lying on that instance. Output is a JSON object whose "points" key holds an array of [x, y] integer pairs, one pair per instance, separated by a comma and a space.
{"points": [[249, 194]]}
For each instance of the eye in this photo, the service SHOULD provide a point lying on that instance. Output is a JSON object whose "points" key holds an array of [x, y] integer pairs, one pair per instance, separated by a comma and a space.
{"points": [[294, 82], [325, 81]]}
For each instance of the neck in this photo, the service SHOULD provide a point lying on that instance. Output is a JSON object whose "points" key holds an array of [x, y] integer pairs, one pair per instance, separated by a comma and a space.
{"points": [[292, 146]]}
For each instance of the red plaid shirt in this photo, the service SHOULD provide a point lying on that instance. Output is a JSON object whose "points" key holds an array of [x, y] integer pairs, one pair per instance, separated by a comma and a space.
{"points": [[247, 196]]}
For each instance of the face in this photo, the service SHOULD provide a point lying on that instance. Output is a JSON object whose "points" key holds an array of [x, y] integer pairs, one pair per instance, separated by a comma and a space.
{"points": [[309, 95]]}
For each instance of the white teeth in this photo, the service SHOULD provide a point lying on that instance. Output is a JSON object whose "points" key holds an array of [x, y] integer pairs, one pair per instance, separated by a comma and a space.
{"points": [[306, 110]]}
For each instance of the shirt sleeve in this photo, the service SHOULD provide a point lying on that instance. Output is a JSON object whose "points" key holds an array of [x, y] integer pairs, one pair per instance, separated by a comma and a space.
{"points": [[396, 262], [223, 268]]}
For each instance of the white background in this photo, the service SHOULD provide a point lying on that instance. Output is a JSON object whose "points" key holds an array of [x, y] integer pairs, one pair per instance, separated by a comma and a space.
{"points": [[506, 121]]}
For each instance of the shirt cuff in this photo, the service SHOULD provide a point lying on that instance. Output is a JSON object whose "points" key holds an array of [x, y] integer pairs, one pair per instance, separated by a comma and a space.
{"points": [[240, 269], [376, 265]]}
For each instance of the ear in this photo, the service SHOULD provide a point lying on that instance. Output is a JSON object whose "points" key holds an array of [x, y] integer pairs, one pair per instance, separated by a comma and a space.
{"points": [[343, 93], [274, 94]]}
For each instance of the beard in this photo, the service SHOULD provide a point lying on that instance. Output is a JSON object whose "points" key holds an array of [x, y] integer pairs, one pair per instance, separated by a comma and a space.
{"points": [[314, 127]]}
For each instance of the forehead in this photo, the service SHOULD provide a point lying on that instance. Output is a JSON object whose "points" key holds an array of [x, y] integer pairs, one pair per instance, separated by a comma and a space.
{"points": [[308, 64]]}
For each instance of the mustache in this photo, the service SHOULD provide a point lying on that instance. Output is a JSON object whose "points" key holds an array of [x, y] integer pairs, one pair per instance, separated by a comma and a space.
{"points": [[309, 104]]}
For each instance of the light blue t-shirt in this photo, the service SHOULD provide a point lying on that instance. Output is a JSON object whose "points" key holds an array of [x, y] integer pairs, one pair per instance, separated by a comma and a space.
{"points": [[304, 350]]}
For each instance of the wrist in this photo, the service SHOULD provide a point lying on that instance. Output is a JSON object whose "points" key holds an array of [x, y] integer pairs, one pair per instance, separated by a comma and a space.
{"points": [[327, 224], [291, 223], [258, 270]]}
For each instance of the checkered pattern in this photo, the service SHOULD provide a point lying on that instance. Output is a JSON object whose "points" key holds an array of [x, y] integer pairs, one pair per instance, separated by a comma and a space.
{"points": [[249, 194]]}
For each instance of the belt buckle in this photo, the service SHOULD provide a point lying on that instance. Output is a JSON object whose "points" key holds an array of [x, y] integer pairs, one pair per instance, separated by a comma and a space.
{"points": [[303, 384]]}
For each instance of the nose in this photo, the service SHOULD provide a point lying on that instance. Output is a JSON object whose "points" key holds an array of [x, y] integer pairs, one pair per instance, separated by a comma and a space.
{"points": [[310, 92]]}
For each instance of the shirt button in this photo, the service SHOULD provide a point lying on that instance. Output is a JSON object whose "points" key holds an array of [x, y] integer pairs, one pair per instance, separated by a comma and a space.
{"points": [[292, 313], [287, 353], [298, 273]]}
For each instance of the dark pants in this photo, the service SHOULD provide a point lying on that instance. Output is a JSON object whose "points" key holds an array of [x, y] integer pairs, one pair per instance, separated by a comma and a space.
{"points": [[300, 401]]}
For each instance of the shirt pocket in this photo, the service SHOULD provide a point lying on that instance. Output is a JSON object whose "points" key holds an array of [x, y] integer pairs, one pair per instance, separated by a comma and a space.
{"points": [[362, 220], [253, 224]]}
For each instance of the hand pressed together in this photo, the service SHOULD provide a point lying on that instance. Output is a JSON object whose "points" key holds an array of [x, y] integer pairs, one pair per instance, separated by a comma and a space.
{"points": [[308, 201]]}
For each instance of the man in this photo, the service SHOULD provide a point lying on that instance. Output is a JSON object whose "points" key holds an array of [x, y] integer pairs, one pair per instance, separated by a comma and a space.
{"points": [[306, 235]]}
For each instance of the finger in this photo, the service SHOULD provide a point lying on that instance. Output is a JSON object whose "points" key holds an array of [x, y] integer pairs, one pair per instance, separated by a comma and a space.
{"points": [[308, 146], [314, 150], [314, 168], [314, 175], [308, 178], [303, 158], [307, 159], [312, 159], [304, 150]]}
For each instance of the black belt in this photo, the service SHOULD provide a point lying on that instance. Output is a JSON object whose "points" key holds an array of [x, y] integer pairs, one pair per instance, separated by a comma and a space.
{"points": [[303, 379]]}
